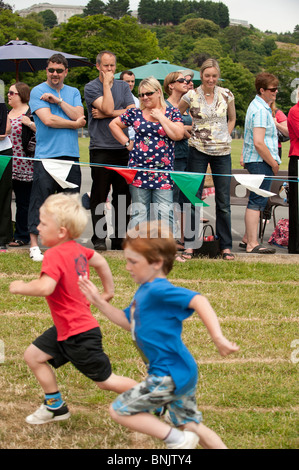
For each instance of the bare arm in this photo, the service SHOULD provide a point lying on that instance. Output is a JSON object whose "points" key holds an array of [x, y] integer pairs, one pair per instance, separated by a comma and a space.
{"points": [[206, 313], [116, 127], [174, 130], [51, 120], [92, 294], [41, 287], [101, 266], [282, 127], [262, 149], [183, 106], [73, 112], [231, 115]]}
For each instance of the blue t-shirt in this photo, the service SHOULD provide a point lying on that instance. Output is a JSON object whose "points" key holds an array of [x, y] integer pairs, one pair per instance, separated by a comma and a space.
{"points": [[156, 315], [52, 142]]}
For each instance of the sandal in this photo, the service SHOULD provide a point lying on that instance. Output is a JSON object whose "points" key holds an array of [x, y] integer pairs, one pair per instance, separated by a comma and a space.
{"points": [[187, 255], [228, 256], [16, 243], [180, 259]]}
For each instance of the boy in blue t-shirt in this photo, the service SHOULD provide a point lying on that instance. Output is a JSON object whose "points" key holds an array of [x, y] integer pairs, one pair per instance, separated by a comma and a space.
{"points": [[155, 319]]}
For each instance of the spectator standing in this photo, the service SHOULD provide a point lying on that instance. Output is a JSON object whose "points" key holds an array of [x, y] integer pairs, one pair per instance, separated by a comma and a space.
{"points": [[293, 127], [22, 137], [5, 179], [58, 113], [260, 155], [107, 98]]}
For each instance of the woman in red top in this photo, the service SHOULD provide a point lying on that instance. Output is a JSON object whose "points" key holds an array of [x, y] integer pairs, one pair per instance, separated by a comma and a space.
{"points": [[293, 127]]}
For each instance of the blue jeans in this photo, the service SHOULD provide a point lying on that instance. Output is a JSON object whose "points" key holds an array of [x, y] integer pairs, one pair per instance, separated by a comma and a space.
{"points": [[220, 165], [256, 202], [151, 204]]}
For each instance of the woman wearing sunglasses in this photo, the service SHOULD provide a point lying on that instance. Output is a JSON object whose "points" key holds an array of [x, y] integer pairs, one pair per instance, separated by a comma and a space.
{"points": [[213, 111], [175, 86], [157, 127], [23, 144]]}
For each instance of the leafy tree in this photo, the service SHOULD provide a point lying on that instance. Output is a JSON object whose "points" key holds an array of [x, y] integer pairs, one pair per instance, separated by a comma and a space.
{"points": [[241, 82], [198, 27], [5, 6], [117, 8], [13, 26], [283, 63], [94, 7], [49, 18]]}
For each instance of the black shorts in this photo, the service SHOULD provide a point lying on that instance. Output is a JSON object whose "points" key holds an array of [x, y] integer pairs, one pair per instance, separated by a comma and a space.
{"points": [[84, 351]]}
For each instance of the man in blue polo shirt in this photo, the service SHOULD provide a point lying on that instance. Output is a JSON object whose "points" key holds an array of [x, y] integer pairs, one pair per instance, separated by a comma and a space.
{"points": [[58, 113], [260, 154]]}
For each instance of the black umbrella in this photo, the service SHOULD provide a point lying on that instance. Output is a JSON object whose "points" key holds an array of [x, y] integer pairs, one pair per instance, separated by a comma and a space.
{"points": [[22, 56]]}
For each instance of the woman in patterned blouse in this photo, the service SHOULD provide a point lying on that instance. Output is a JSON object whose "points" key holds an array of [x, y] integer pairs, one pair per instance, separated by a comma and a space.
{"points": [[22, 170], [156, 127], [213, 111]]}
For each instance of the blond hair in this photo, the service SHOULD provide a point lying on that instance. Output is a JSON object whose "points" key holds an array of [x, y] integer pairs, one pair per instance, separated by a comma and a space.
{"points": [[68, 212], [151, 84], [154, 241], [207, 64]]}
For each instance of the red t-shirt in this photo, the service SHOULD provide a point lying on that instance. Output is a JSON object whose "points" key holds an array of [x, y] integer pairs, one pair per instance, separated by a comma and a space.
{"points": [[293, 126], [69, 308], [280, 117]]}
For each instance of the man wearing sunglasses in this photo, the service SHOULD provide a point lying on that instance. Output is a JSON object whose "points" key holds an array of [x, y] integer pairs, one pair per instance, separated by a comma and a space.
{"points": [[106, 99], [58, 114]]}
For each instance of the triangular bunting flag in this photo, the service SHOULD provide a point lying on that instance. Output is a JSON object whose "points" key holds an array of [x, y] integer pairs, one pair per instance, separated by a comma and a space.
{"points": [[127, 173], [4, 160], [189, 185], [59, 170], [252, 183]]}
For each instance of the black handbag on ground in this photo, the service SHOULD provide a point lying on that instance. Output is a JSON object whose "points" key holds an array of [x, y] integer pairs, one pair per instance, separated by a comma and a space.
{"points": [[210, 244]]}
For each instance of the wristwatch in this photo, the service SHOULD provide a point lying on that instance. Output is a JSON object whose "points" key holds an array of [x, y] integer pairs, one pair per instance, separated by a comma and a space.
{"points": [[60, 101], [127, 143]]}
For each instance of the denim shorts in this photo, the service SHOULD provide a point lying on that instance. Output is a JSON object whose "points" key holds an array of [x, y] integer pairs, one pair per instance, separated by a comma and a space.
{"points": [[256, 202], [84, 351], [155, 392]]}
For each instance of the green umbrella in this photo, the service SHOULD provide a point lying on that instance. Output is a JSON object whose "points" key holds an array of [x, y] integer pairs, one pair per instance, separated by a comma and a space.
{"points": [[159, 69]]}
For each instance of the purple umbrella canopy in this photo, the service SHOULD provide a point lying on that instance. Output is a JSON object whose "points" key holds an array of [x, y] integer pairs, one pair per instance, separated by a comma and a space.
{"points": [[22, 56]]}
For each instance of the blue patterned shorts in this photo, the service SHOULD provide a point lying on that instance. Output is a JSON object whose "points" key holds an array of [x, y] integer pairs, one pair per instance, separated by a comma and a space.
{"points": [[155, 392]]}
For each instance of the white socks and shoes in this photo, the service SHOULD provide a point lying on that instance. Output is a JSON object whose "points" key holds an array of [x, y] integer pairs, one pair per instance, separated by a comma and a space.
{"points": [[188, 440], [36, 254]]}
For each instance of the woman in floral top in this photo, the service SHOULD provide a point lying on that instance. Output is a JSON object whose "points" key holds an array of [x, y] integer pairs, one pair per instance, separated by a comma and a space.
{"points": [[22, 170], [213, 111], [156, 128]]}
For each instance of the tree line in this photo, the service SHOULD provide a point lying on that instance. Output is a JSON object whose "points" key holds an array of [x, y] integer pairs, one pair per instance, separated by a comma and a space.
{"points": [[241, 52]]}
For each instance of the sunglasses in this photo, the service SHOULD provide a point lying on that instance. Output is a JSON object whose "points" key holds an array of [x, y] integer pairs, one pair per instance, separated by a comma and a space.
{"points": [[147, 94], [181, 80], [56, 70], [188, 81], [273, 89], [11, 93]]}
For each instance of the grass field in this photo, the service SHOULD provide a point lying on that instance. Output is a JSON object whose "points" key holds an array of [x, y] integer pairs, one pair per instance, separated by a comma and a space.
{"points": [[250, 399], [237, 145]]}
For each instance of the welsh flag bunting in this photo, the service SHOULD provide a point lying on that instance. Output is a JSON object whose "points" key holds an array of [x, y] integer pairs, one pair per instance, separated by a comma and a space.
{"points": [[3, 164], [127, 173], [189, 185]]}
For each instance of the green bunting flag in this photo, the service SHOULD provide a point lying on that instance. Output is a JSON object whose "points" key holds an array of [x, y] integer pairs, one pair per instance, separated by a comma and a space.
{"points": [[4, 161], [189, 185]]}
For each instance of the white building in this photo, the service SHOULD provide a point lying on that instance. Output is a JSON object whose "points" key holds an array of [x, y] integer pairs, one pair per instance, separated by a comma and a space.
{"points": [[62, 12]]}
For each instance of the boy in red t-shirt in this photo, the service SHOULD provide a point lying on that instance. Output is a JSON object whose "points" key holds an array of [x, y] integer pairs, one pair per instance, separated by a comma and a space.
{"points": [[76, 335]]}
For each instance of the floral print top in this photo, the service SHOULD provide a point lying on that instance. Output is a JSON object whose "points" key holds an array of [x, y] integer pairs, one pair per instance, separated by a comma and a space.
{"points": [[210, 132], [152, 149], [22, 170]]}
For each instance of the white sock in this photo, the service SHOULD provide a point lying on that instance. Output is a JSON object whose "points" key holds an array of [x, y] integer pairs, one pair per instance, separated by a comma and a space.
{"points": [[175, 436]]}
